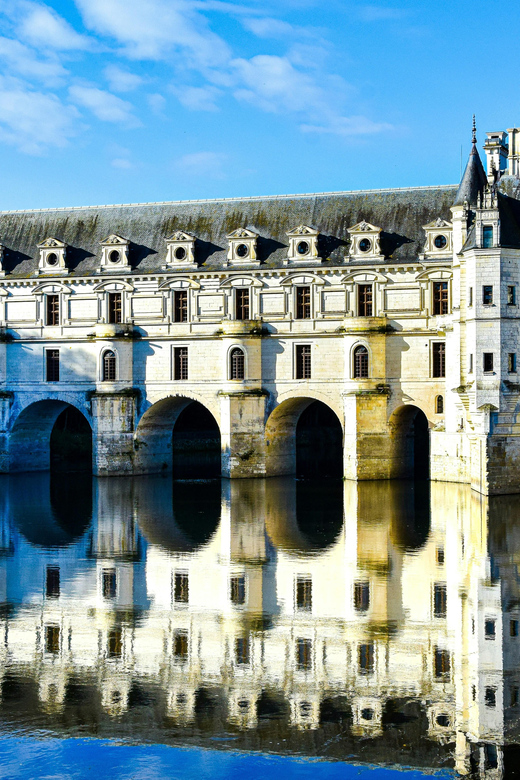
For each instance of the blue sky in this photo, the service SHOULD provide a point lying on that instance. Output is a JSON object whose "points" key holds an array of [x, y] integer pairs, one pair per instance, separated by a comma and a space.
{"points": [[110, 101]]}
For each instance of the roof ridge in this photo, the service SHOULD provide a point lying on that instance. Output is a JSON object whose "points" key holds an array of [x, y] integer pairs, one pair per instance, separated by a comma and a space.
{"points": [[227, 200]]}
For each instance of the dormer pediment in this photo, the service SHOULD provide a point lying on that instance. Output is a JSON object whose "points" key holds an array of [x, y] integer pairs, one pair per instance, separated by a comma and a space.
{"points": [[302, 230], [242, 246], [52, 256], [180, 235], [114, 253], [242, 233], [365, 241]]}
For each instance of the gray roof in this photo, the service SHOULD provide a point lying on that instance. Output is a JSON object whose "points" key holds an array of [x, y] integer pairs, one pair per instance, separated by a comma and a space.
{"points": [[401, 213], [473, 181]]}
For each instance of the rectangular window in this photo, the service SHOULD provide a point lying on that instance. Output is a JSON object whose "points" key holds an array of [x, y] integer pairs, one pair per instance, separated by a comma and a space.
{"points": [[439, 359], [304, 654], [52, 315], [511, 362], [237, 590], [180, 363], [115, 643], [180, 645], [361, 596], [303, 303], [304, 593], [514, 696], [52, 365], [52, 639], [490, 697], [180, 306], [366, 658], [440, 556], [52, 582], [488, 362], [511, 295], [303, 361], [470, 297], [114, 307], [109, 583], [441, 663], [470, 370], [440, 297], [489, 628], [242, 303], [439, 600], [487, 294], [364, 300], [181, 587], [487, 236], [242, 650], [513, 628]]}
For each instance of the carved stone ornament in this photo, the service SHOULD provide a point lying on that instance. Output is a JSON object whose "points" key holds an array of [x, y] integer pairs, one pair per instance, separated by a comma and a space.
{"points": [[114, 254], [180, 250], [365, 242], [439, 243], [52, 257], [303, 245], [242, 247]]}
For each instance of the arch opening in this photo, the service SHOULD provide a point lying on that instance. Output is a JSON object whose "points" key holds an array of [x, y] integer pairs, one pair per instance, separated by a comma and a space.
{"points": [[51, 434], [411, 438], [179, 435], [304, 437]]}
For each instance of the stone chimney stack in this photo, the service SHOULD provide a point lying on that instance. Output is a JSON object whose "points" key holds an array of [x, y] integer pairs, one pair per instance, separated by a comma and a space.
{"points": [[496, 149], [514, 151]]}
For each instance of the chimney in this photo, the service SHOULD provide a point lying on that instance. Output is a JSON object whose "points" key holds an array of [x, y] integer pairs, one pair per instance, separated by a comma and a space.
{"points": [[496, 149], [514, 151]]}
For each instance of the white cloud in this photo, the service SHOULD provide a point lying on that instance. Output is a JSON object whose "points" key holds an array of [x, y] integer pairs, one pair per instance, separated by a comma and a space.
{"points": [[122, 80], [104, 105], [267, 27], [21, 60], [156, 102], [208, 164], [156, 29], [198, 98], [34, 121], [42, 25]]}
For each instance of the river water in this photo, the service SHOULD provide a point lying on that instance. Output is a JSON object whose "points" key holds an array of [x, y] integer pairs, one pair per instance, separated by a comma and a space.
{"points": [[152, 628]]}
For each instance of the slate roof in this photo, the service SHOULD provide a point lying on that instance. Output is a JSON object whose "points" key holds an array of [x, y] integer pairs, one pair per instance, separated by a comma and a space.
{"points": [[473, 181], [400, 213]]}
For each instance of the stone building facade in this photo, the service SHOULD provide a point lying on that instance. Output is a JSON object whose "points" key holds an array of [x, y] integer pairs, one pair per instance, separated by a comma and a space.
{"points": [[389, 307]]}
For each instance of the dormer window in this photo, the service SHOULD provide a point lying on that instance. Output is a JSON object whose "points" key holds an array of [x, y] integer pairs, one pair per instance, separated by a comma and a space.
{"points": [[365, 242], [180, 249], [242, 246], [487, 236], [52, 257], [438, 239], [114, 253], [303, 245]]}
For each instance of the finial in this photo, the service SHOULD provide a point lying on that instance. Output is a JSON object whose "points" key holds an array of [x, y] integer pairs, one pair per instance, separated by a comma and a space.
{"points": [[474, 131]]}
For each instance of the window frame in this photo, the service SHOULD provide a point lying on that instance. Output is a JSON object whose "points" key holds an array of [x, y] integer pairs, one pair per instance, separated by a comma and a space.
{"points": [[240, 307], [488, 362], [104, 354], [302, 308], [182, 310], [52, 314], [178, 374], [511, 363], [440, 303], [180, 578], [231, 368], [302, 363], [240, 580], [357, 350], [47, 364], [368, 302], [511, 294], [438, 364], [439, 404], [303, 588], [487, 295], [488, 238], [114, 307]]}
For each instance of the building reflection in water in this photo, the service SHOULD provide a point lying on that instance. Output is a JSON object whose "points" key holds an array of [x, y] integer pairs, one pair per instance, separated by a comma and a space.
{"points": [[379, 621]]}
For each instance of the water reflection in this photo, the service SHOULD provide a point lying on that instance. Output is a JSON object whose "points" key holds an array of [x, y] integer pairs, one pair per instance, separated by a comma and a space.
{"points": [[377, 621]]}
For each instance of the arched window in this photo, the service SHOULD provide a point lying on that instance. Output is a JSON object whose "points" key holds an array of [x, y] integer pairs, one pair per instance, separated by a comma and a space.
{"points": [[360, 363], [109, 366], [237, 363], [439, 405]]}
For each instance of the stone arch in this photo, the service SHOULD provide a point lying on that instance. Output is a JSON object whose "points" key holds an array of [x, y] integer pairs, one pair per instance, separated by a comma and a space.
{"points": [[31, 431], [409, 429], [281, 432], [154, 436]]}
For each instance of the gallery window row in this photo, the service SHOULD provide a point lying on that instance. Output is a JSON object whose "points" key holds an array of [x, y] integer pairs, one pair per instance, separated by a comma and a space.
{"points": [[117, 307], [236, 364]]}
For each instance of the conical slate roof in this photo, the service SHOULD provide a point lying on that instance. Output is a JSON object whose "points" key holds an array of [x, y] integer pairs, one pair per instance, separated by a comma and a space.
{"points": [[474, 179]]}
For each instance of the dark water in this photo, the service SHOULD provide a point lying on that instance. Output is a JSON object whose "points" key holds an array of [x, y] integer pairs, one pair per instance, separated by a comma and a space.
{"points": [[327, 625]]}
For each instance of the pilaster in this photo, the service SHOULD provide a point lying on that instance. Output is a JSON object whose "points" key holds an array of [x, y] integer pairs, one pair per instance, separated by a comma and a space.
{"points": [[368, 444], [242, 425]]}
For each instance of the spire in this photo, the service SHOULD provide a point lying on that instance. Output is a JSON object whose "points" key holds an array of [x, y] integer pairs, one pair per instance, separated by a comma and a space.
{"points": [[474, 179]]}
